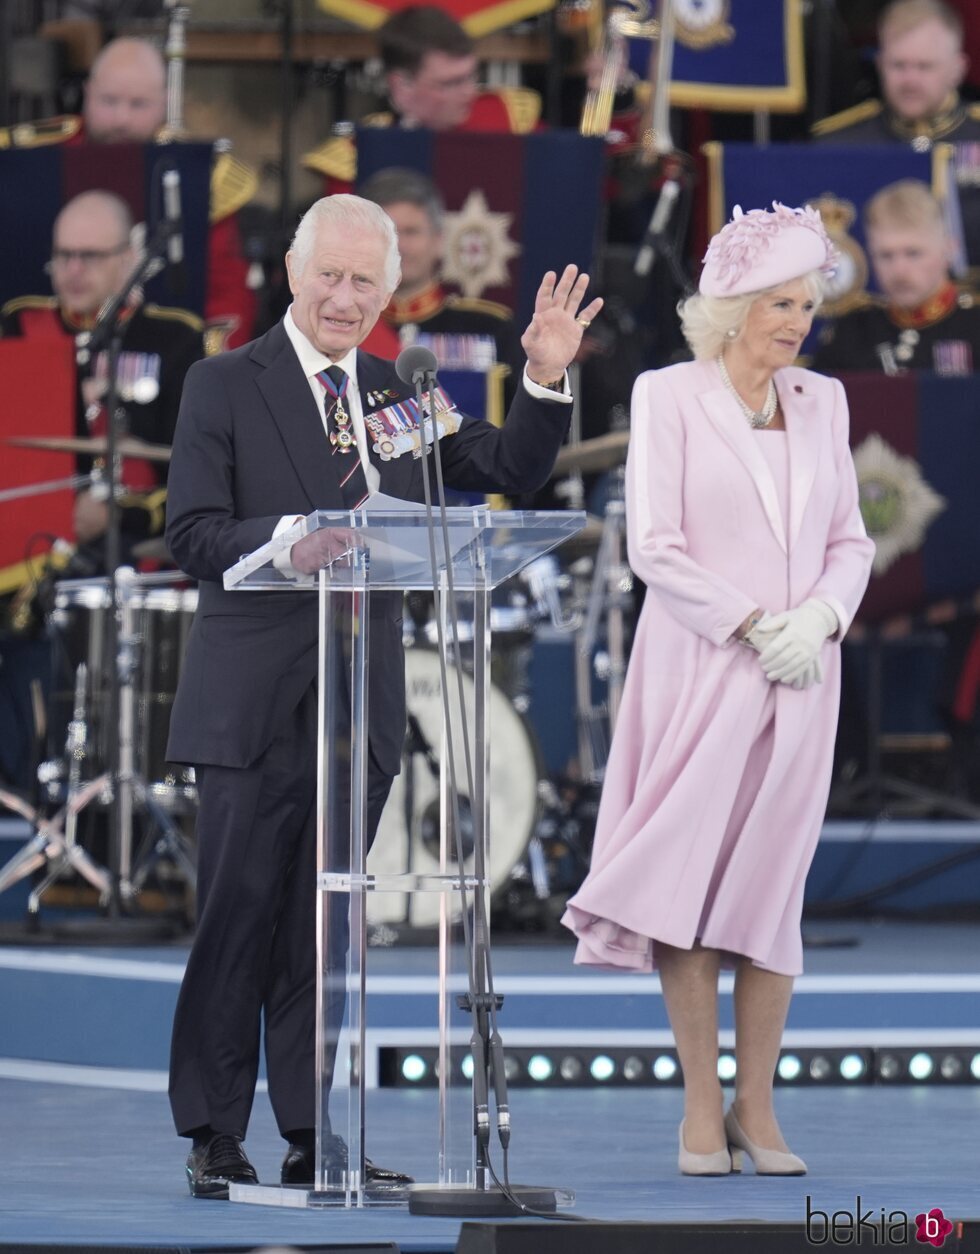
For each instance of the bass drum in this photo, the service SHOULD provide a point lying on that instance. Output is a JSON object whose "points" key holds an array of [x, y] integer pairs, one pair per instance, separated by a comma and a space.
{"points": [[408, 835]]}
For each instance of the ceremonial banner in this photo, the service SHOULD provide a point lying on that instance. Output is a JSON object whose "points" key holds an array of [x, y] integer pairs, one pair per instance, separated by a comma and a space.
{"points": [[736, 55], [477, 17], [35, 184], [517, 205], [916, 446]]}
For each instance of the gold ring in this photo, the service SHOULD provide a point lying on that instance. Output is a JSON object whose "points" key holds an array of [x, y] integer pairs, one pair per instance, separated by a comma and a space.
{"points": [[583, 322]]}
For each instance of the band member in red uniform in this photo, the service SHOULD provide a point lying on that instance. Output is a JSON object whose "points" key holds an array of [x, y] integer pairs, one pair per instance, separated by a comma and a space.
{"points": [[430, 71]]}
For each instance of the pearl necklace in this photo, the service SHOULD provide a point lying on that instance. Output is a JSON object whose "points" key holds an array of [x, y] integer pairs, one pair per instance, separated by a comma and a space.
{"points": [[757, 418]]}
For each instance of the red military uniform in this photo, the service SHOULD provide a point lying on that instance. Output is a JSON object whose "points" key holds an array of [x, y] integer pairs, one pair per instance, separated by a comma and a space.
{"points": [[506, 110], [230, 304]]}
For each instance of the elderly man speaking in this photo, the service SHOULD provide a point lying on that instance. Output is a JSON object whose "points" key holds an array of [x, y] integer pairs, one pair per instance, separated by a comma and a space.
{"points": [[267, 432]]}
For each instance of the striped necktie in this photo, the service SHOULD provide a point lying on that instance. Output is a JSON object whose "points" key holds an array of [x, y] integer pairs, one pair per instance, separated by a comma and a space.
{"points": [[340, 430]]}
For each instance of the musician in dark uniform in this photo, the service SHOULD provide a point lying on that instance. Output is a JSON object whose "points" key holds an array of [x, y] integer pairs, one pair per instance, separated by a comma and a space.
{"points": [[922, 321], [921, 65], [91, 257], [126, 103], [483, 330]]}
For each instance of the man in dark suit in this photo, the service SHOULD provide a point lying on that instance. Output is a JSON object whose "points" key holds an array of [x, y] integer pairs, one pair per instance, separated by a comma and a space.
{"points": [[267, 433]]}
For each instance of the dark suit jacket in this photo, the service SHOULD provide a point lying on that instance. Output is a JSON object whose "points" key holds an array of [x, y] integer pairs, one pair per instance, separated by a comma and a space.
{"points": [[249, 449]]}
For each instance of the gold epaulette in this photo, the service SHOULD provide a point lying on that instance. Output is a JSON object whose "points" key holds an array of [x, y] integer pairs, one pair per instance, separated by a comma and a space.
{"points": [[154, 503], [973, 111], [233, 184], [847, 117], [175, 315], [866, 300], [28, 302], [46, 131], [473, 304], [337, 157], [523, 105]]}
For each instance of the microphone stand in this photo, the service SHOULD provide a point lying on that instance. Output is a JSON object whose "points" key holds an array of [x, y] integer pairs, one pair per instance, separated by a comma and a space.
{"points": [[480, 1001], [107, 335]]}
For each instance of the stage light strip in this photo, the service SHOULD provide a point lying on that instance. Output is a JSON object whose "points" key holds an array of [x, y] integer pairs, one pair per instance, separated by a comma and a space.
{"points": [[579, 1067]]}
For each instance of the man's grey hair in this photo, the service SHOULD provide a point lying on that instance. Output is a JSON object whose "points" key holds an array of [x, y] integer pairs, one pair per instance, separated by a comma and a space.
{"points": [[347, 211], [398, 186]]}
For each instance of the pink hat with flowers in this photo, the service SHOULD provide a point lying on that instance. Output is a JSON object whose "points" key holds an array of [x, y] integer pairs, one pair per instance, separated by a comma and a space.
{"points": [[761, 249]]}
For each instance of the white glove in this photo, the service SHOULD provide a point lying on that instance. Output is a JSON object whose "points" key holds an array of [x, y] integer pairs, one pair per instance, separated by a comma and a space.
{"points": [[812, 675], [798, 640]]}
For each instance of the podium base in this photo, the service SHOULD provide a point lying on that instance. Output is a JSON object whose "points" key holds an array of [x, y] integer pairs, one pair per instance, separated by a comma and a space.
{"points": [[465, 1202]]}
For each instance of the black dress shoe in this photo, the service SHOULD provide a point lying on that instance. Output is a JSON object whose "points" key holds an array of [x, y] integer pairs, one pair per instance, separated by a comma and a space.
{"points": [[212, 1167], [299, 1166]]}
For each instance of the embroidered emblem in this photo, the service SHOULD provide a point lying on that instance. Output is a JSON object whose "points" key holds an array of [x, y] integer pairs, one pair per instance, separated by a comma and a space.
{"points": [[846, 286], [897, 504], [703, 23], [477, 246]]}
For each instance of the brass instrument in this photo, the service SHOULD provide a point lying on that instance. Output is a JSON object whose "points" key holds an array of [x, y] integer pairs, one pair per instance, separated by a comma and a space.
{"points": [[631, 19], [655, 138], [175, 50]]}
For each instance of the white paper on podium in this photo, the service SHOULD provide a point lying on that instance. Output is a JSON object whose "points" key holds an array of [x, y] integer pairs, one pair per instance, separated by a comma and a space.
{"points": [[397, 545]]}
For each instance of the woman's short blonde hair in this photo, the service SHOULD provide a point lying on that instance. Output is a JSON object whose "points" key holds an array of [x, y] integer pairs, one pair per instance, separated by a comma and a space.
{"points": [[710, 322]]}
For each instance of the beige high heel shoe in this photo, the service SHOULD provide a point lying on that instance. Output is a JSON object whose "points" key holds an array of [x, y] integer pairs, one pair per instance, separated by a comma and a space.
{"points": [[767, 1162], [718, 1163]]}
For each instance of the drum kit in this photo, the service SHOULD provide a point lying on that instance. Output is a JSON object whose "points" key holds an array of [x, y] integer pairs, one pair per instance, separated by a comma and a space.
{"points": [[541, 824], [96, 757]]}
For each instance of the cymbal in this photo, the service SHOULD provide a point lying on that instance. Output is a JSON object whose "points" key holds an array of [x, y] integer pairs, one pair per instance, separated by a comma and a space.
{"points": [[154, 550], [593, 456], [588, 538], [94, 447]]}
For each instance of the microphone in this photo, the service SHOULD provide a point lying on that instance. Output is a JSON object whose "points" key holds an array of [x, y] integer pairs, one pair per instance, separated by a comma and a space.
{"points": [[414, 363], [669, 191], [175, 229]]}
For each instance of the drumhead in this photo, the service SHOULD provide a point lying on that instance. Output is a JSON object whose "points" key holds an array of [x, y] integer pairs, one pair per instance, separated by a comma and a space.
{"points": [[513, 796]]}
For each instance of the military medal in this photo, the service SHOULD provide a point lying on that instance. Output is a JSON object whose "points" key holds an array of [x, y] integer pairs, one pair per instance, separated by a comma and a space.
{"points": [[395, 429]]}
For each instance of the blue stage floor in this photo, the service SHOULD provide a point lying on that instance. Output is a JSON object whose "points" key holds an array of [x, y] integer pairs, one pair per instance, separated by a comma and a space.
{"points": [[88, 1156], [87, 1166]]}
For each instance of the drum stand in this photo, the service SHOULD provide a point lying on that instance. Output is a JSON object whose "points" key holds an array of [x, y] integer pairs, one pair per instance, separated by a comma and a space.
{"points": [[54, 841], [610, 591], [169, 843]]}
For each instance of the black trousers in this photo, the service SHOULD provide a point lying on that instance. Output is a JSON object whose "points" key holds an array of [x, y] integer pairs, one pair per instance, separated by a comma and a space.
{"points": [[254, 951]]}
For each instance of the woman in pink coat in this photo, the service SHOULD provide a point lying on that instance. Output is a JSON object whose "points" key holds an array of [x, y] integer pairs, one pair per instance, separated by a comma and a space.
{"points": [[743, 522]]}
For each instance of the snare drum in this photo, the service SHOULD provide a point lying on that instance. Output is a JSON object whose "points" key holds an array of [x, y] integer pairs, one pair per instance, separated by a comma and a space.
{"points": [[161, 620], [411, 843], [78, 627], [163, 623]]}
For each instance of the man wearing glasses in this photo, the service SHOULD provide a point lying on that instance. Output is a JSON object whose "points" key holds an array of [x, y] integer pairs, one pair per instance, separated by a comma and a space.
{"points": [[91, 256], [430, 72]]}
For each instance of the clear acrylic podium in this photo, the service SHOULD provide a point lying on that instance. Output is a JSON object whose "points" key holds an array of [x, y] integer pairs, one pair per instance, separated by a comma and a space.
{"points": [[385, 548]]}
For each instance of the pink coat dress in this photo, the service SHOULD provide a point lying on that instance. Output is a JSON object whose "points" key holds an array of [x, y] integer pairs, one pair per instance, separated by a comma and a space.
{"points": [[717, 780]]}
